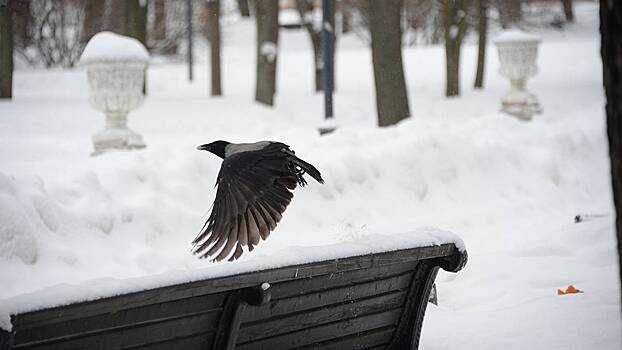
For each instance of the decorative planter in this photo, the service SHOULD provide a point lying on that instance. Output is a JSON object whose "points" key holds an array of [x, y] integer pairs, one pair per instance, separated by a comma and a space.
{"points": [[115, 67], [518, 52]]}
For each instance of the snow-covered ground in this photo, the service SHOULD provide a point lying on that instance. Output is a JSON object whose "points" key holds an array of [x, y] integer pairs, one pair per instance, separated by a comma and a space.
{"points": [[510, 189]]}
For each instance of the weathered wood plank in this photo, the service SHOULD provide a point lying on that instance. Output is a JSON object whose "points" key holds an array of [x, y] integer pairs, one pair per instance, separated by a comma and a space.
{"points": [[162, 312], [114, 338], [309, 285], [199, 341], [327, 297], [376, 339], [216, 285], [320, 316], [325, 332]]}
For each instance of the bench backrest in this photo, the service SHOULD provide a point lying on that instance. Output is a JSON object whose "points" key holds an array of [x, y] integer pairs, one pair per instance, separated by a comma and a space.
{"points": [[370, 301]]}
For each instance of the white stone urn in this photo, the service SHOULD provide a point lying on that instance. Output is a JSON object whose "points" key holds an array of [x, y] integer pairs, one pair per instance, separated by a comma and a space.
{"points": [[115, 68], [518, 52]]}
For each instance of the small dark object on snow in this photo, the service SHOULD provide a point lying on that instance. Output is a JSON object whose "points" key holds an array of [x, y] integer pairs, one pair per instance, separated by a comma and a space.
{"points": [[254, 189]]}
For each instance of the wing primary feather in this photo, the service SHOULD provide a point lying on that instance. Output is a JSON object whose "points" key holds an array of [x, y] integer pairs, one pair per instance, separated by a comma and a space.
{"points": [[253, 230], [231, 241], [265, 213], [261, 223], [222, 238], [242, 237], [238, 252]]}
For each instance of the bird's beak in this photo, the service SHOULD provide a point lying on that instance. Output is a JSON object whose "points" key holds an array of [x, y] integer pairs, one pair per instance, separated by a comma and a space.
{"points": [[205, 147]]}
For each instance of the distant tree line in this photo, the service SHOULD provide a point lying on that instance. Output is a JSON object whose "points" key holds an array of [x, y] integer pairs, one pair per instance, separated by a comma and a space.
{"points": [[54, 33]]}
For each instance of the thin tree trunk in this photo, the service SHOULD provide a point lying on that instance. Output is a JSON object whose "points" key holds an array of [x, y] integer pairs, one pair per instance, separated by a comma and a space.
{"points": [[93, 19], [159, 20], [482, 28], [6, 51], [345, 19], [305, 7], [267, 14], [611, 52], [136, 20], [114, 17], [244, 8], [136, 25], [454, 22], [386, 47], [510, 12], [568, 11], [213, 32]]}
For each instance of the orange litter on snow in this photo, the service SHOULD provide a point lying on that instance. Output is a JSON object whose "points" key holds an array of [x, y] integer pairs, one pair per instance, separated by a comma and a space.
{"points": [[570, 290]]}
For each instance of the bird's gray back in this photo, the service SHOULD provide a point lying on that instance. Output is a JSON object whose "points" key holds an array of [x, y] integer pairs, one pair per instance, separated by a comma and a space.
{"points": [[234, 148]]}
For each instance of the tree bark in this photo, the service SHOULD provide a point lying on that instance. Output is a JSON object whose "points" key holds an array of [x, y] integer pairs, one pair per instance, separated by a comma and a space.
{"points": [[510, 12], [244, 8], [136, 25], [611, 52], [568, 11], [159, 20], [213, 33], [267, 13], [93, 19], [305, 7], [6, 51], [136, 21], [454, 23], [482, 29], [386, 47]]}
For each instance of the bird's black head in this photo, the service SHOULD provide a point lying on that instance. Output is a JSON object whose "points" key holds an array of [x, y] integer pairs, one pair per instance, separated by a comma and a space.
{"points": [[216, 147]]}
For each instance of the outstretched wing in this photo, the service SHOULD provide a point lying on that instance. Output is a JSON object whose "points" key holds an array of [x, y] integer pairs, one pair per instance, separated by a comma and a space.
{"points": [[253, 192]]}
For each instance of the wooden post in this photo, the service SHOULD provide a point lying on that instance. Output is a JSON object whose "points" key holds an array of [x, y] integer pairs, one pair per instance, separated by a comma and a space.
{"points": [[6, 50]]}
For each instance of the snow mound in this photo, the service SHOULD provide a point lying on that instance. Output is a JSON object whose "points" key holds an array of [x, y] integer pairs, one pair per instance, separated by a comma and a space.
{"points": [[108, 46]]}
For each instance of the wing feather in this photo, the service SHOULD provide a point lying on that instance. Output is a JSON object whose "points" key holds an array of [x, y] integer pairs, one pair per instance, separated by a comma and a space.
{"points": [[254, 189]]}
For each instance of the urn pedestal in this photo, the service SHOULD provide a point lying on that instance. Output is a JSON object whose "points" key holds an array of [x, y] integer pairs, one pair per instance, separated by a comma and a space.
{"points": [[518, 52], [115, 67]]}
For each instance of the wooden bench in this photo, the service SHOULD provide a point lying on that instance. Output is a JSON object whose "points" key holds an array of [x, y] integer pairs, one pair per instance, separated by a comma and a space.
{"points": [[374, 301]]}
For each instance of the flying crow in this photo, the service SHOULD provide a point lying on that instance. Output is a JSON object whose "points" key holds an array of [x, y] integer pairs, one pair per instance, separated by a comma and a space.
{"points": [[254, 188]]}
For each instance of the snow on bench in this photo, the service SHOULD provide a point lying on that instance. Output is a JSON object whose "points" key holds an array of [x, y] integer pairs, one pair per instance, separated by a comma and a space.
{"points": [[370, 294]]}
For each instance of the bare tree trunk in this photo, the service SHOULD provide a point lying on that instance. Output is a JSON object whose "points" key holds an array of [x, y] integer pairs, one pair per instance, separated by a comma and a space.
{"points": [[6, 51], [244, 8], [454, 20], [136, 25], [482, 29], [159, 20], [267, 13], [305, 8], [93, 19], [115, 15], [611, 52], [213, 32], [345, 18], [136, 20], [568, 11], [510, 12], [386, 47]]}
